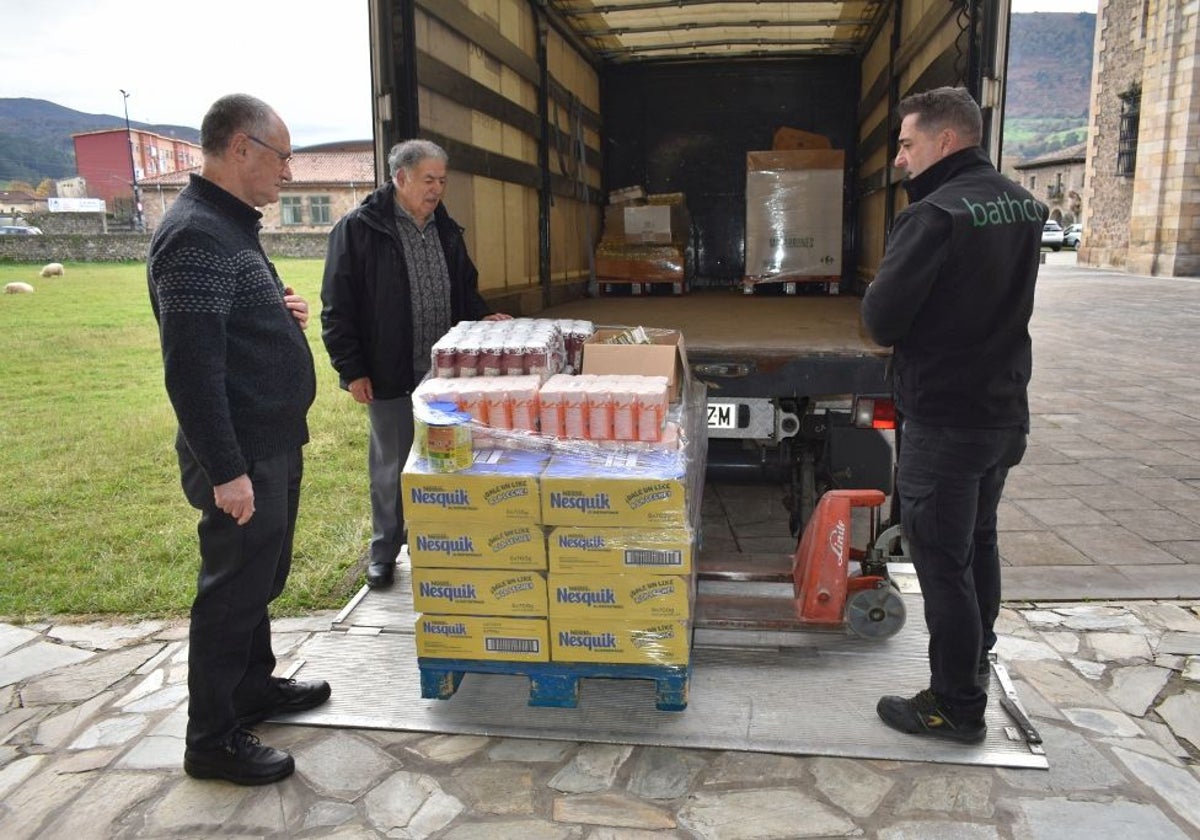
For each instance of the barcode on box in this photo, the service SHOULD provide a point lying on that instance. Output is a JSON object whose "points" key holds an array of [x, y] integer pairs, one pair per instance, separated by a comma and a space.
{"points": [[500, 645], [653, 557]]}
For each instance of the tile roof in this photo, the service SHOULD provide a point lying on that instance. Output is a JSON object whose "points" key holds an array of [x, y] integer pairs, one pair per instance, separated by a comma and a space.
{"points": [[307, 168]]}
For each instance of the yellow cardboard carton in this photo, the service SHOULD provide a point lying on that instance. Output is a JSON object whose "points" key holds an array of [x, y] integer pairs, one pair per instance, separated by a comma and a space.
{"points": [[620, 597], [479, 592], [483, 637], [501, 485], [629, 489], [477, 545], [619, 550], [626, 642]]}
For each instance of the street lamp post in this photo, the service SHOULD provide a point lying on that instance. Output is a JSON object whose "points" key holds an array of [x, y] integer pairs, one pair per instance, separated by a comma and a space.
{"points": [[137, 198]]}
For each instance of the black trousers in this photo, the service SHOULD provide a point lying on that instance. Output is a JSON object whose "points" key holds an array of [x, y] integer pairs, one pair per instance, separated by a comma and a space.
{"points": [[950, 481], [242, 569]]}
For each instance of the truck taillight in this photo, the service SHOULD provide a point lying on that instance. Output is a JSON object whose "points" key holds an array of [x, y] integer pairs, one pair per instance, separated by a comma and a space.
{"points": [[874, 413]]}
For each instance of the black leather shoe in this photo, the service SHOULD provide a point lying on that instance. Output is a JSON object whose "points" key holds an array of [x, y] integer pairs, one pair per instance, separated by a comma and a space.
{"points": [[242, 759], [381, 575], [290, 696]]}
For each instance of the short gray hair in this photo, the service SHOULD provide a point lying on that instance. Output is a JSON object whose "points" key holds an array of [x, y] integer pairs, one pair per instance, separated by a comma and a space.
{"points": [[409, 153], [945, 107], [230, 114]]}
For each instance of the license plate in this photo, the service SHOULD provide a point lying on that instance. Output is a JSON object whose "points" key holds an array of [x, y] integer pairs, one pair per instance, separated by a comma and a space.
{"points": [[722, 415]]}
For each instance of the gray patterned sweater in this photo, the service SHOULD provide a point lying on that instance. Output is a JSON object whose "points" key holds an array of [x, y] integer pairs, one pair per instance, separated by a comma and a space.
{"points": [[238, 368]]}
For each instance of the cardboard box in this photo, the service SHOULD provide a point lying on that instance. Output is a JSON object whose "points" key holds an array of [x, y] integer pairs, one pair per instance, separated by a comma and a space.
{"points": [[500, 486], [640, 489], [479, 592], [794, 215], [620, 550], [621, 263], [665, 356], [788, 139], [663, 220], [477, 545], [626, 642], [622, 597], [483, 637]]}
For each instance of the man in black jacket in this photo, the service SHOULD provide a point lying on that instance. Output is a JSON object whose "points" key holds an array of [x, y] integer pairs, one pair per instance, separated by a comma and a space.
{"points": [[240, 377], [397, 277], [953, 298]]}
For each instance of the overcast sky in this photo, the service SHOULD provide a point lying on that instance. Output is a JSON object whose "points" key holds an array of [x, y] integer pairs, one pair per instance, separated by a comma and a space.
{"points": [[309, 59]]}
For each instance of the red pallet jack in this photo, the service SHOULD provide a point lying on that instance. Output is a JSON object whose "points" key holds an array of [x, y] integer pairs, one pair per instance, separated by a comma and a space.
{"points": [[828, 592]]}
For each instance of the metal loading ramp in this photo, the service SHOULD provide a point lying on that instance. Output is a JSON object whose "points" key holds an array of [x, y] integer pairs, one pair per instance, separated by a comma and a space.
{"points": [[812, 694]]}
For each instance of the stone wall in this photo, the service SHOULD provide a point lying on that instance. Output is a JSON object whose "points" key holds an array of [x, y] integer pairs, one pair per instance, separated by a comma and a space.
{"points": [[1164, 220], [1108, 196], [132, 247], [1148, 223]]}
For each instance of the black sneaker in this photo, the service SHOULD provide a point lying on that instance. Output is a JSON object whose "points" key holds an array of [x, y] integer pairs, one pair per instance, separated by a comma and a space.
{"points": [[242, 759], [924, 715], [983, 673], [290, 696]]}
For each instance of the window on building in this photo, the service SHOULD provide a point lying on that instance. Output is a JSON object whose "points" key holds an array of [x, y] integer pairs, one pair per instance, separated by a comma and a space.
{"points": [[319, 210], [1131, 106], [291, 210]]}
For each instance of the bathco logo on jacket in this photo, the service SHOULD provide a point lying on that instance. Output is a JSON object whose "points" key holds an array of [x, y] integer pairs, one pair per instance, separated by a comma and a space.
{"points": [[1004, 210]]}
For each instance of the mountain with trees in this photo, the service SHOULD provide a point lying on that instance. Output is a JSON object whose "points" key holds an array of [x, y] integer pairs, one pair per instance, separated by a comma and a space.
{"points": [[1046, 108], [35, 138], [1049, 82]]}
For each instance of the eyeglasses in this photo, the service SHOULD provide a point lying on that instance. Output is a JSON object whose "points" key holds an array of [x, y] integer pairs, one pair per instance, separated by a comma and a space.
{"points": [[284, 157]]}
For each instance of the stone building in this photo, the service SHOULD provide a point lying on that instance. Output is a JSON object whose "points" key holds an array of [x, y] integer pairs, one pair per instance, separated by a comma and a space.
{"points": [[1057, 178], [1141, 200], [325, 186]]}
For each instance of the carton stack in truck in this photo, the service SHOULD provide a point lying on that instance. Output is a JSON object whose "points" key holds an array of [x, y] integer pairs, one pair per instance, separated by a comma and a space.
{"points": [[644, 243], [794, 215]]}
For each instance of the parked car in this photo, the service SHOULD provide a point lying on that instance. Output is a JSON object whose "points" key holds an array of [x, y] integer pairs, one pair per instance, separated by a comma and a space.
{"points": [[19, 230], [1071, 236], [1052, 235]]}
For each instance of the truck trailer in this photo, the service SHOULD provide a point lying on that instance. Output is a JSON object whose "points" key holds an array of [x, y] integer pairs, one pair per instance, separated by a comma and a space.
{"points": [[550, 108]]}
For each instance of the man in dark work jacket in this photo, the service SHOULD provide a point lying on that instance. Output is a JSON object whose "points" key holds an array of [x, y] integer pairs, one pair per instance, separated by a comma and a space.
{"points": [[397, 277], [953, 298]]}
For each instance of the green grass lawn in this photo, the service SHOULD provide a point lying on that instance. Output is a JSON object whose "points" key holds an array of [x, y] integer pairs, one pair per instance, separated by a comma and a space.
{"points": [[92, 518]]}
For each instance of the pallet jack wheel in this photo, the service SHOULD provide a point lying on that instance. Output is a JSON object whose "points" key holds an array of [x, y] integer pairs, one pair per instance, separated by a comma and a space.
{"points": [[875, 613]]}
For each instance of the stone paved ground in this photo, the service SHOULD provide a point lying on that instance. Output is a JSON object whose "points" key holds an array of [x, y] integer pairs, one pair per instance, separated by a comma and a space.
{"points": [[1101, 632]]}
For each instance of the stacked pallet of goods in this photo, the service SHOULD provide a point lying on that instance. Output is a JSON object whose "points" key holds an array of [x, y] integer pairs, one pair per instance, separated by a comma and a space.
{"points": [[643, 247], [794, 215], [562, 547]]}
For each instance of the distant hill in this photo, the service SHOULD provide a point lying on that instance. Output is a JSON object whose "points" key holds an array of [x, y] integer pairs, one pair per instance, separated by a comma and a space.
{"points": [[1046, 108], [1049, 82], [35, 137]]}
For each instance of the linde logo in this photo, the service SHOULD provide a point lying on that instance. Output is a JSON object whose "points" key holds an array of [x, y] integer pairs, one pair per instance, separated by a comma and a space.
{"points": [[591, 641], [434, 628], [577, 501], [1004, 210], [837, 538], [646, 495], [587, 543], [590, 598], [446, 545], [441, 498], [448, 592]]}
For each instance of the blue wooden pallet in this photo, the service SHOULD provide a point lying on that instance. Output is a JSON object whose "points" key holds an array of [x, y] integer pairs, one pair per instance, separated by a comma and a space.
{"points": [[557, 683]]}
